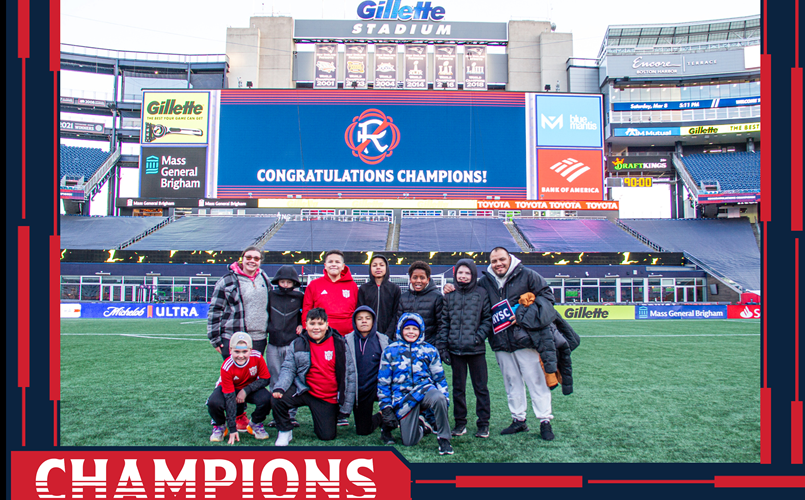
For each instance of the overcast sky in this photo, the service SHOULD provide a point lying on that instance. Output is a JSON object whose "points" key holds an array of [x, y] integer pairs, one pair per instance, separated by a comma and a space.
{"points": [[199, 26]]}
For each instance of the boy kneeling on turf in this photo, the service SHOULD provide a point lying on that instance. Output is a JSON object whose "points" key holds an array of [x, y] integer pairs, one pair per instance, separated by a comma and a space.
{"points": [[317, 373], [244, 377], [410, 380]]}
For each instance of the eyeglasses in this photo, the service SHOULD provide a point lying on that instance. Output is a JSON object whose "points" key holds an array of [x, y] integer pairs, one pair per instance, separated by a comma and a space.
{"points": [[251, 257]]}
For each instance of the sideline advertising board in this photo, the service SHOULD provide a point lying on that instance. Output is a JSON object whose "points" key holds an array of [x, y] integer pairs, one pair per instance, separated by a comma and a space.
{"points": [[596, 312], [112, 310], [743, 312], [680, 312]]}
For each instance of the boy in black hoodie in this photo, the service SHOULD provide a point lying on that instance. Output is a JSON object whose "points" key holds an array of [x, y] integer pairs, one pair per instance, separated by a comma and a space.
{"points": [[381, 295], [465, 324]]}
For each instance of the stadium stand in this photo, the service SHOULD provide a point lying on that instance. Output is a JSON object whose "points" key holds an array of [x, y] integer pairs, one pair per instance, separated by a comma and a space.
{"points": [[578, 235], [728, 246], [323, 235], [454, 235], [102, 233], [76, 161], [222, 233], [733, 171]]}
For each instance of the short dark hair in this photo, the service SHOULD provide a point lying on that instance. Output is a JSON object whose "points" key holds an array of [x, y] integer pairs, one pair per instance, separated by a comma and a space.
{"points": [[419, 265], [334, 252], [499, 248], [317, 313], [251, 248]]}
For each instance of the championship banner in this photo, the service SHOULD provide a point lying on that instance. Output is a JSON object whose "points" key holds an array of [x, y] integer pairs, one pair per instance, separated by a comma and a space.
{"points": [[475, 67], [173, 172], [385, 66], [596, 312], [88, 127], [502, 316], [356, 58], [326, 66], [175, 117], [416, 67], [445, 62]]}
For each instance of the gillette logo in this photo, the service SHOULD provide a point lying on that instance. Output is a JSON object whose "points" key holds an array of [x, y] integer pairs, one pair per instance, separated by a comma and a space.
{"points": [[391, 9]]}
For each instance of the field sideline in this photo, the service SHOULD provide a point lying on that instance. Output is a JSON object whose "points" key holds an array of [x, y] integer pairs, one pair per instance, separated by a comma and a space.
{"points": [[645, 391]]}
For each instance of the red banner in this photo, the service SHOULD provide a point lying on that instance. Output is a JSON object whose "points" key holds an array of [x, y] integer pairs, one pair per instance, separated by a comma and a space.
{"points": [[570, 174], [546, 205], [743, 312], [233, 473]]}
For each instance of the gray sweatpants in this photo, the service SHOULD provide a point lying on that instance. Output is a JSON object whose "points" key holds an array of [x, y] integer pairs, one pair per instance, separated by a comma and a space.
{"points": [[409, 425], [275, 356], [521, 369]]}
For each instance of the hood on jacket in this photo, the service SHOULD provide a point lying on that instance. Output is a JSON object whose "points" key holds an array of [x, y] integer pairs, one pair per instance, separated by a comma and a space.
{"points": [[235, 268], [502, 280], [374, 320], [416, 317], [386, 276], [470, 264], [286, 273]]}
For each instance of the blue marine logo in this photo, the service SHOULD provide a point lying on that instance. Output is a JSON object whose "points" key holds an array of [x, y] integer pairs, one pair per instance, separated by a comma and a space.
{"points": [[642, 312], [152, 165]]}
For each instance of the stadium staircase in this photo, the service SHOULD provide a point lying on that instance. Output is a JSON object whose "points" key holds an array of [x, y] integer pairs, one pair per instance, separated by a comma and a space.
{"points": [[272, 230], [393, 244], [145, 233], [518, 236], [679, 165], [96, 181]]}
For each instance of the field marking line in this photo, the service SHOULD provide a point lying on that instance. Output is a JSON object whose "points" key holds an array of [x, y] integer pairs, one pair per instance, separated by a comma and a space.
{"points": [[678, 335], [192, 322], [155, 333], [158, 338]]}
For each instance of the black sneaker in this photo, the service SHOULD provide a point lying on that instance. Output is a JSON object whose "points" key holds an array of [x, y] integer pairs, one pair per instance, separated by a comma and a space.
{"points": [[483, 431], [386, 437], [545, 430], [426, 427], [444, 447], [459, 430], [515, 427]]}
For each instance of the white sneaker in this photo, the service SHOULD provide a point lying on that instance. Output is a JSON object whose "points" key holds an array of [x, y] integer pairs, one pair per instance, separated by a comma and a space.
{"points": [[283, 438]]}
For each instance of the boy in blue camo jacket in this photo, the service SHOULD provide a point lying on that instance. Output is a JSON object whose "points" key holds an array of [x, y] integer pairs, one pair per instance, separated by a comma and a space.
{"points": [[411, 379]]}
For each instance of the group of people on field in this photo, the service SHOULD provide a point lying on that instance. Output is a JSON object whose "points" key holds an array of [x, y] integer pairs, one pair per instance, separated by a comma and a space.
{"points": [[338, 348]]}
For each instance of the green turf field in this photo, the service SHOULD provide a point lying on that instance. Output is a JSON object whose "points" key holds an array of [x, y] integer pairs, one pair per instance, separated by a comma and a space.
{"points": [[645, 391]]}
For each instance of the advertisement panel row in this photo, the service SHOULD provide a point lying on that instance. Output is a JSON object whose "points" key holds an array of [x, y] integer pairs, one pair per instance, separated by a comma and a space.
{"points": [[133, 310], [695, 130], [664, 311]]}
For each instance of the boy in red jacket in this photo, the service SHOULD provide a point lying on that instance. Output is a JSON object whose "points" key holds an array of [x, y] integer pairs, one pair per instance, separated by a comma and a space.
{"points": [[335, 292]]}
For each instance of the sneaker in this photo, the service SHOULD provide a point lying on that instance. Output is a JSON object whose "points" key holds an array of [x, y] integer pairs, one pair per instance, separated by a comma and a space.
{"points": [[294, 423], [459, 430], [342, 422], [426, 427], [386, 437], [242, 422], [483, 431], [515, 427], [257, 430], [219, 432], [444, 447], [545, 430], [283, 438]]}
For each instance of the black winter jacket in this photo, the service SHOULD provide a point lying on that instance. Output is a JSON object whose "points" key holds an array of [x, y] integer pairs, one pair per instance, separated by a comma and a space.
{"points": [[284, 308], [384, 300], [521, 280], [428, 304], [466, 319], [566, 340]]}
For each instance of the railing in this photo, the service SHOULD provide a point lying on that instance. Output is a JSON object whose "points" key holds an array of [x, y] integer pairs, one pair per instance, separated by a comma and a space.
{"points": [[101, 174], [143, 56], [680, 167], [519, 236], [640, 237], [147, 232], [709, 270], [401, 281], [340, 218]]}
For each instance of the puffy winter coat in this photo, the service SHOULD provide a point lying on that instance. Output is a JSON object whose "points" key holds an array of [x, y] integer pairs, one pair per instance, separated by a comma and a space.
{"points": [[339, 299], [297, 365], [408, 370], [383, 299], [226, 314], [284, 308], [466, 319], [428, 304], [566, 340]]}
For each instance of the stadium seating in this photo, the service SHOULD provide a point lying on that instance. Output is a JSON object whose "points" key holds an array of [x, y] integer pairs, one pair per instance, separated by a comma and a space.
{"points": [[102, 233], [578, 235], [225, 233], [454, 235], [726, 245], [733, 171], [323, 235], [80, 162]]}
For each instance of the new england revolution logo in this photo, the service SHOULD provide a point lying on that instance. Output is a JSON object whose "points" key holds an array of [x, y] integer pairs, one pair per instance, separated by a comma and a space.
{"points": [[372, 136]]}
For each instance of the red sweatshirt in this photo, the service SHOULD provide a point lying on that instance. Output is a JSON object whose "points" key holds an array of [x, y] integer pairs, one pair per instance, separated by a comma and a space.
{"points": [[339, 299]]}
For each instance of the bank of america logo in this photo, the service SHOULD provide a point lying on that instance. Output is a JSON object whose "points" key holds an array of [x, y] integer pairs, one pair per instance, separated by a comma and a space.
{"points": [[570, 169], [551, 121], [152, 165]]}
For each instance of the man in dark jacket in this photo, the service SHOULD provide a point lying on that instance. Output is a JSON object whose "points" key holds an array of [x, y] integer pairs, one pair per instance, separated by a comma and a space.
{"points": [[465, 324], [381, 295], [520, 346]]}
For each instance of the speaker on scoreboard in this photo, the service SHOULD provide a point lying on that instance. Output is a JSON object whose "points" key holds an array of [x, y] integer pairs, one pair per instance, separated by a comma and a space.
{"points": [[713, 289]]}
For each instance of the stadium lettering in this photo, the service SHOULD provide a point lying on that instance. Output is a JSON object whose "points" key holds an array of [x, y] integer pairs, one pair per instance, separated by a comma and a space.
{"points": [[391, 9], [181, 172], [169, 107], [638, 63], [585, 313], [217, 473], [170, 160]]}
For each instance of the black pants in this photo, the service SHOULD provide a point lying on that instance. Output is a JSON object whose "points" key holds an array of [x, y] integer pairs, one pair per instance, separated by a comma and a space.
{"points": [[325, 415], [478, 374], [216, 405], [366, 419], [257, 345]]}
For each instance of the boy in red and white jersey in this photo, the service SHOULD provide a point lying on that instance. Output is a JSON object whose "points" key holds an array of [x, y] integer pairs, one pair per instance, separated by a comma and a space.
{"points": [[244, 377]]}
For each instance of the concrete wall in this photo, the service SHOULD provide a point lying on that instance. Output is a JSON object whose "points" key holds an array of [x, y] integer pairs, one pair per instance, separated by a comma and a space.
{"points": [[242, 48], [556, 49], [262, 53]]}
